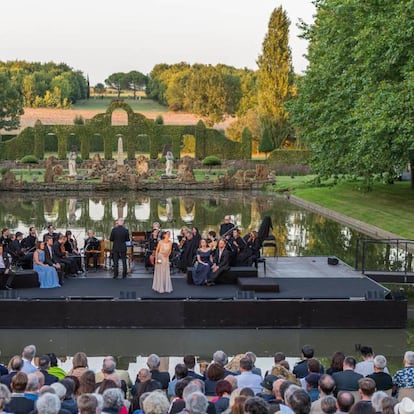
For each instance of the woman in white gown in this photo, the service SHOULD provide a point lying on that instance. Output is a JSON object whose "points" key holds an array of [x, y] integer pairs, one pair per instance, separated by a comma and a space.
{"points": [[162, 278]]}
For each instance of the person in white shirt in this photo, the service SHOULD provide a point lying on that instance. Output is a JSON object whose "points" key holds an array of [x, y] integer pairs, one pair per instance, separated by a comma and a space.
{"points": [[247, 378]]}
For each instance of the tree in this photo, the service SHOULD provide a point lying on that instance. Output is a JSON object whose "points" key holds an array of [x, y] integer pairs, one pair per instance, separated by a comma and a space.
{"points": [[275, 78], [99, 89], [136, 81], [11, 103], [117, 81], [246, 144], [266, 143]]}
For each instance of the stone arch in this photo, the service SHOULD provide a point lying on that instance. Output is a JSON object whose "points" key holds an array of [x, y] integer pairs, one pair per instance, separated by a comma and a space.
{"points": [[119, 104]]}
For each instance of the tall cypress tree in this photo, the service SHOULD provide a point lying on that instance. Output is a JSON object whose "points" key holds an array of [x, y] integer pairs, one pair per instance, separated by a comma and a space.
{"points": [[275, 78]]}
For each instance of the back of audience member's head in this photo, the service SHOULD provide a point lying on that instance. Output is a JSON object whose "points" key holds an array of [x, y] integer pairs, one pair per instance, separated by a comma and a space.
{"points": [[40, 377], [180, 385], [48, 404], [366, 351], [200, 384], [367, 386], [80, 360], [285, 364], [326, 384], [113, 399], [156, 403], [190, 388], [106, 384], [69, 384], [220, 358], [328, 404], [300, 402], [337, 361], [181, 371], [350, 362], [5, 396], [388, 404], [409, 357], [279, 356], [19, 382], [153, 361], [75, 382], [215, 372], [289, 391], [223, 387], [313, 365], [256, 405], [60, 390], [108, 365], [44, 362], [189, 361], [87, 403], [53, 359], [251, 356], [196, 403], [238, 404], [246, 364], [376, 400], [232, 379], [33, 383], [247, 392], [308, 351], [361, 407], [283, 388], [87, 383], [380, 362], [29, 352], [15, 363], [142, 398], [345, 400], [47, 388]]}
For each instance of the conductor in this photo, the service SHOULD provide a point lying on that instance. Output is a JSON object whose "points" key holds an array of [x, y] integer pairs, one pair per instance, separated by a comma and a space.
{"points": [[119, 237]]}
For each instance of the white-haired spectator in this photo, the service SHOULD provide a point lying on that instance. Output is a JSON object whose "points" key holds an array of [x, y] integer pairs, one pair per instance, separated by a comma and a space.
{"points": [[60, 390], [48, 404], [404, 378], [28, 355], [153, 363], [32, 387], [196, 403], [5, 396], [87, 404], [156, 403], [376, 400], [252, 357], [113, 400], [383, 380]]}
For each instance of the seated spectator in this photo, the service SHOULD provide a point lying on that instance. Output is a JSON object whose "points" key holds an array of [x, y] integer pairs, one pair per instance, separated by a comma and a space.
{"points": [[388, 404], [69, 402], [44, 366], [181, 372], [347, 380], [215, 373], [15, 365], [336, 363], [326, 386], [220, 357], [5, 397], [301, 368], [178, 403], [79, 364], [366, 388], [247, 378], [54, 367], [145, 384], [223, 392], [237, 406], [252, 357], [256, 405], [404, 378], [87, 384], [267, 384], [365, 367], [314, 366], [312, 383], [87, 403], [328, 405], [190, 362], [32, 388], [48, 404], [376, 400], [300, 402], [153, 363], [28, 355], [156, 403], [196, 403], [19, 404], [344, 401], [383, 381], [113, 401], [361, 407]]}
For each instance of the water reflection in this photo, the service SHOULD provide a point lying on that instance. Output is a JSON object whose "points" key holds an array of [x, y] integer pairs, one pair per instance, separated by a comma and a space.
{"points": [[298, 232]]}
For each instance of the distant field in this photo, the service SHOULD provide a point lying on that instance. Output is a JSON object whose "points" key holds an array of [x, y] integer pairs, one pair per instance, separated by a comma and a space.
{"points": [[143, 105]]}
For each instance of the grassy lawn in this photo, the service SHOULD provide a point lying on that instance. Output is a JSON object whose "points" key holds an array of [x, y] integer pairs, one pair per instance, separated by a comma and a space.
{"points": [[390, 207], [143, 105]]}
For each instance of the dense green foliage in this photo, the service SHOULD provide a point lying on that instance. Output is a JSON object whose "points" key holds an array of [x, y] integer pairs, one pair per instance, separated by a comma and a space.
{"points": [[48, 85], [354, 108], [11, 105], [275, 79], [266, 144], [212, 92], [211, 160], [133, 81], [29, 159]]}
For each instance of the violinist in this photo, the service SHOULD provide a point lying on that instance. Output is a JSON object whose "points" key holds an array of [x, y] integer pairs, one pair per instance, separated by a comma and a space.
{"points": [[253, 243], [240, 253], [71, 247], [5, 239], [92, 249], [212, 240], [29, 242], [226, 227], [62, 256]]}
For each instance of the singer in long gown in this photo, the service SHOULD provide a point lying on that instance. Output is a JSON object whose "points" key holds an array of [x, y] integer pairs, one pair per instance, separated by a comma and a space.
{"points": [[202, 266], [162, 277], [48, 276]]}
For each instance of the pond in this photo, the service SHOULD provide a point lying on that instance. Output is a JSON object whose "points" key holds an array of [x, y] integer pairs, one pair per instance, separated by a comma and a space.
{"points": [[298, 233]]}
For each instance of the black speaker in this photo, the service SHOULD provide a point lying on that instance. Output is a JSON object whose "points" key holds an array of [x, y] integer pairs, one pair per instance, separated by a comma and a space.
{"points": [[127, 294], [245, 295], [374, 295], [333, 261]]}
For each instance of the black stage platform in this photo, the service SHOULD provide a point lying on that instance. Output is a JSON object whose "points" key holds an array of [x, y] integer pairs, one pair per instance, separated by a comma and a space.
{"points": [[318, 296]]}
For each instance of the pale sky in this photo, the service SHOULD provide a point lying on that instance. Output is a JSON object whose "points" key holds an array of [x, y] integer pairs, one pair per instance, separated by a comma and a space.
{"points": [[100, 37]]}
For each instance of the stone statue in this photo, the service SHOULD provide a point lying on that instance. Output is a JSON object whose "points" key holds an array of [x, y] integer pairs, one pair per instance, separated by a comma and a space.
{"points": [[72, 161], [169, 163]]}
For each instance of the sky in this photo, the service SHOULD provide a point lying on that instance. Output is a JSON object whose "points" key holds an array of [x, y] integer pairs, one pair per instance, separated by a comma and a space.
{"points": [[101, 37]]}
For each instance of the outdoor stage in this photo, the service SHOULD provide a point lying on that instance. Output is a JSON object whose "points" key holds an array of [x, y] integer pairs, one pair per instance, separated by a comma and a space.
{"points": [[312, 294]]}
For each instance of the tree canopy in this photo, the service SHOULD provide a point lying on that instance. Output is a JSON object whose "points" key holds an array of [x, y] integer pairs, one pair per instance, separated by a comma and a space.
{"points": [[354, 107], [11, 102]]}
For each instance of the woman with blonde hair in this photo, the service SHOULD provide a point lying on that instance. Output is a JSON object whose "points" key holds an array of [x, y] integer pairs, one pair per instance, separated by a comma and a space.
{"points": [[80, 365]]}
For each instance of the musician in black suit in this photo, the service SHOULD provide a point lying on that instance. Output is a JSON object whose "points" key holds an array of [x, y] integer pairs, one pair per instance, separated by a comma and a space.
{"points": [[5, 268], [226, 227], [221, 263], [92, 249], [51, 260], [119, 237]]}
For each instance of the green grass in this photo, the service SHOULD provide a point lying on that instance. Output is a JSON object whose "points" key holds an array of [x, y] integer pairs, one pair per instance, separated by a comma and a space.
{"points": [[143, 105], [389, 207]]}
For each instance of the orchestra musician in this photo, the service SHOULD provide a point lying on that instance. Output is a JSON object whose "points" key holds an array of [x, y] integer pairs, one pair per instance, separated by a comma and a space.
{"points": [[51, 233], [221, 263], [226, 227], [62, 256], [71, 247], [240, 253], [92, 249], [29, 242], [5, 267], [5, 239], [212, 240]]}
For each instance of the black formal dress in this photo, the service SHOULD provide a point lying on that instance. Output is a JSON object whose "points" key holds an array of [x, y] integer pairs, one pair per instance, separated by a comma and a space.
{"points": [[5, 270], [119, 237]]}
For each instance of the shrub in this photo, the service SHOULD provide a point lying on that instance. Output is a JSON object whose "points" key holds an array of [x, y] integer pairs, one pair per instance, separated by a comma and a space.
{"points": [[4, 170], [159, 120], [211, 160], [29, 159], [79, 120]]}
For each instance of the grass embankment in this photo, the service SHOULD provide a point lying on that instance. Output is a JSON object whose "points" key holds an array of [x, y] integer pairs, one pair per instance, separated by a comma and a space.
{"points": [[387, 206]]}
